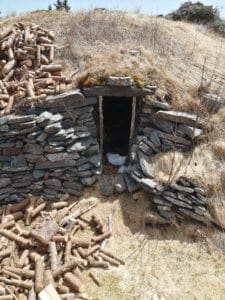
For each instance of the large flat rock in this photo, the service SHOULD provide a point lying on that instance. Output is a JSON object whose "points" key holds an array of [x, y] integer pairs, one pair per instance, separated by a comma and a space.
{"points": [[181, 117], [116, 91]]}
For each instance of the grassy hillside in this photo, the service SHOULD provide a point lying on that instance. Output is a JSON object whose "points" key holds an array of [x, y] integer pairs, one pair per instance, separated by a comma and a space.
{"points": [[176, 56]]}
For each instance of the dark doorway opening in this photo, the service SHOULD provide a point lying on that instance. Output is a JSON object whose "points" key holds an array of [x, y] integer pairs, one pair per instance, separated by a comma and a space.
{"points": [[117, 114]]}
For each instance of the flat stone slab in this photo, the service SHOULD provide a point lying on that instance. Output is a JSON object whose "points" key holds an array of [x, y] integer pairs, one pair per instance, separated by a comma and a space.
{"points": [[119, 81], [117, 91], [181, 117], [54, 165], [106, 183]]}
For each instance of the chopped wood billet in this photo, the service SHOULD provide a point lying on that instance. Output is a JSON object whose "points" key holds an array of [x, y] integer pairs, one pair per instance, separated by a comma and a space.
{"points": [[112, 261], [8, 224], [14, 237], [97, 263], [82, 242], [51, 68], [59, 238], [73, 282], [63, 289], [32, 294], [49, 278], [59, 205], [9, 105], [38, 209], [67, 296], [19, 206], [9, 66], [38, 237], [53, 255], [23, 258], [91, 250], [108, 253], [78, 274], [39, 275], [51, 53], [102, 237], [22, 272], [17, 283], [66, 267], [10, 274], [67, 254], [7, 297], [95, 279], [5, 253]]}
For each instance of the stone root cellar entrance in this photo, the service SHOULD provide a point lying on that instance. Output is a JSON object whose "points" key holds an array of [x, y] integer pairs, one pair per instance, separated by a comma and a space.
{"points": [[117, 117], [116, 121]]}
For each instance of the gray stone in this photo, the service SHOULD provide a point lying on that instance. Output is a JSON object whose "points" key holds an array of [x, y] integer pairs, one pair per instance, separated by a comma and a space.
{"points": [[119, 81], [116, 159], [182, 197], [120, 184], [199, 190], [176, 201], [95, 160], [7, 190], [200, 210], [25, 125], [163, 208], [88, 180], [4, 182], [54, 165], [4, 120], [188, 131], [148, 183], [154, 138], [145, 148], [33, 149], [174, 138], [4, 128], [163, 125], [61, 156], [72, 192], [80, 145], [115, 91], [53, 182], [211, 102], [84, 167], [145, 165], [82, 174], [21, 183], [44, 116], [132, 185], [72, 185], [181, 188], [21, 119], [51, 149], [53, 128], [18, 161], [204, 219], [161, 201], [42, 137], [92, 150], [34, 158], [85, 116], [181, 117], [157, 104], [37, 174], [106, 183]]}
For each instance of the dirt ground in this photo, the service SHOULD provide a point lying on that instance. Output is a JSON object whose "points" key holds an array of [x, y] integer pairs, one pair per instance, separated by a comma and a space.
{"points": [[161, 263]]}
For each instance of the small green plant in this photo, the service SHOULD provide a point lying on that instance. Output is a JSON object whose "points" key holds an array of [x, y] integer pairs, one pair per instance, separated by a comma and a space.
{"points": [[62, 5], [199, 13]]}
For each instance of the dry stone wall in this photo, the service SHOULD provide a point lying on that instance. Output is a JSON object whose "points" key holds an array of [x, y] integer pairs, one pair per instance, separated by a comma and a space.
{"points": [[49, 151]]}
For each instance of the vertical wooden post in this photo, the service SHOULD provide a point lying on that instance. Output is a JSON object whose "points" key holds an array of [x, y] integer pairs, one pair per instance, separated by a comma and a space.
{"points": [[133, 116], [101, 124]]}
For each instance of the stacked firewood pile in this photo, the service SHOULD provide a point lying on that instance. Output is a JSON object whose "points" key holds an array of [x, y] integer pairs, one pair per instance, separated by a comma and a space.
{"points": [[26, 69], [49, 258]]}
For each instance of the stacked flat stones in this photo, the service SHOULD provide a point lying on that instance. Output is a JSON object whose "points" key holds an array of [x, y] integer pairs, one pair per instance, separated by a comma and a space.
{"points": [[48, 153], [161, 129]]}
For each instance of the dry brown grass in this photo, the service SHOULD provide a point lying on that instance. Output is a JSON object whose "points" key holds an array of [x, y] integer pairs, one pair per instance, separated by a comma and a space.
{"points": [[176, 56], [219, 149]]}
